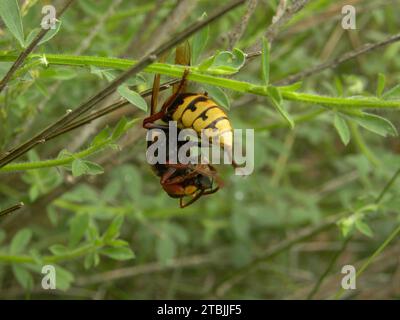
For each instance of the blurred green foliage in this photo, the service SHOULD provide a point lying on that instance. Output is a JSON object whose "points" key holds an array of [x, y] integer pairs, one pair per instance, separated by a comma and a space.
{"points": [[102, 218]]}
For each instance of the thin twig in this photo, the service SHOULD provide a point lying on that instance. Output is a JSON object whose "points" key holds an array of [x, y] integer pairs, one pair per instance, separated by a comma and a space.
{"points": [[21, 58], [184, 262], [112, 86], [11, 209], [235, 35], [279, 21], [336, 255], [106, 110], [337, 61], [172, 21], [82, 47], [136, 41]]}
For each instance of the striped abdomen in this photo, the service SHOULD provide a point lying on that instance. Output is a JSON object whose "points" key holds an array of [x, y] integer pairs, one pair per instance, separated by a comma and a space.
{"points": [[197, 111]]}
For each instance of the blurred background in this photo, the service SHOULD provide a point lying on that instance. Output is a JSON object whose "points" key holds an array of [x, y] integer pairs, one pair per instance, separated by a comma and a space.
{"points": [[284, 232]]}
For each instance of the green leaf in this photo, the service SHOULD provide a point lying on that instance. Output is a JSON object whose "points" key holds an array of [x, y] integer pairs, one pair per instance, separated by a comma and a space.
{"points": [[50, 34], [23, 276], [35, 254], [118, 243], [199, 41], [58, 249], [113, 229], [265, 61], [276, 99], [79, 168], [119, 129], [166, 249], [207, 63], [381, 85], [364, 228], [93, 168], [219, 96], [101, 137], [346, 225], [375, 123], [20, 241], [133, 97], [78, 227], [292, 87], [118, 253], [11, 15], [64, 278], [339, 86], [393, 93], [92, 259], [342, 129], [224, 62]]}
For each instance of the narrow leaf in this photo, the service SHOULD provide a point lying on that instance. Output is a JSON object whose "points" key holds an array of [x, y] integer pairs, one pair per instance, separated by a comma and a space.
{"points": [[11, 15], [375, 123], [58, 249], [113, 230], [23, 276], [381, 85], [364, 228], [78, 227], [119, 129], [79, 168], [342, 129], [133, 97], [118, 253], [93, 168], [219, 96], [265, 61], [20, 241], [393, 93], [199, 41], [51, 33], [276, 99]]}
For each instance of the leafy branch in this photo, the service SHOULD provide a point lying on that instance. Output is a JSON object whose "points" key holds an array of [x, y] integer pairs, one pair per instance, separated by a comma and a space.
{"points": [[36, 41], [199, 76], [23, 166], [86, 106]]}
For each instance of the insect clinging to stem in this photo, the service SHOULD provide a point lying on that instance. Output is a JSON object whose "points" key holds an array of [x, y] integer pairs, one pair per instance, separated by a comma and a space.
{"points": [[177, 179], [194, 110]]}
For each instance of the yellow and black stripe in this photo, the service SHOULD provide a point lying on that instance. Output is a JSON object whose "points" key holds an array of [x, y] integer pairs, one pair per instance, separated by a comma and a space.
{"points": [[199, 112]]}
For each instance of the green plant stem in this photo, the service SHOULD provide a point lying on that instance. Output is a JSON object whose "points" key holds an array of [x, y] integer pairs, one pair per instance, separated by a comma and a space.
{"points": [[212, 79], [328, 269], [387, 187], [23, 166], [362, 146]]}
